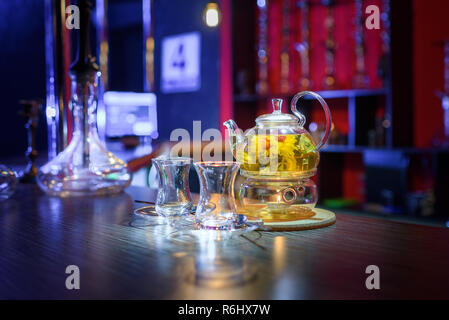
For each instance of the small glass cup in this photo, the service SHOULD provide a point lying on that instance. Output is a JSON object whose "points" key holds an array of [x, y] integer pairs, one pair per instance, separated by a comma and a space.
{"points": [[173, 197], [216, 208]]}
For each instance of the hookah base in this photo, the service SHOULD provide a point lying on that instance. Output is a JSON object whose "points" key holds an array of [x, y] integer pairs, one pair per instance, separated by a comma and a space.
{"points": [[85, 187]]}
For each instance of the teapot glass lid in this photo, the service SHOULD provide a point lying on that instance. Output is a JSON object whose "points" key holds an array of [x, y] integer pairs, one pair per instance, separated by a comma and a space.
{"points": [[277, 116]]}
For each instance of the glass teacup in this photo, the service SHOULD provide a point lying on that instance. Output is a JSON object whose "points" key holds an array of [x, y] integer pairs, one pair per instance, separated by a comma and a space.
{"points": [[216, 208], [173, 197]]}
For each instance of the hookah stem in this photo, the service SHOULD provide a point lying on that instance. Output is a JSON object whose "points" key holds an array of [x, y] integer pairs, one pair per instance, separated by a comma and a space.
{"points": [[30, 135], [31, 113], [31, 152], [83, 70], [85, 124], [84, 55]]}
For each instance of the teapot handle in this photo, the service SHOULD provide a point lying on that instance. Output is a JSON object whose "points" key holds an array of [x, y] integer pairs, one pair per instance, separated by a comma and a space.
{"points": [[302, 119]]}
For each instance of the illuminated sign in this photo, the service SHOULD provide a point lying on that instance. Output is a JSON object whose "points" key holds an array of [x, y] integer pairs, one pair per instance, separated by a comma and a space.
{"points": [[181, 63]]}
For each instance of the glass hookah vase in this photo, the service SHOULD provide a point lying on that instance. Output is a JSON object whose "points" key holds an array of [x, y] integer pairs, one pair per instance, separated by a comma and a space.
{"points": [[84, 167]]}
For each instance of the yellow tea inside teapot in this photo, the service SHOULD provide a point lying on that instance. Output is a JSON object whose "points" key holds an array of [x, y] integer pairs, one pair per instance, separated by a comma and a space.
{"points": [[281, 155]]}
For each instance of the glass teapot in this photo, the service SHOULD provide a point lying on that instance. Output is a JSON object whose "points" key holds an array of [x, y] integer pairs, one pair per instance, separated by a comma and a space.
{"points": [[278, 146]]}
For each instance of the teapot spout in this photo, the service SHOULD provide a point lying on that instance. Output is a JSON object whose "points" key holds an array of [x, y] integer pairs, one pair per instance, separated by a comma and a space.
{"points": [[235, 134]]}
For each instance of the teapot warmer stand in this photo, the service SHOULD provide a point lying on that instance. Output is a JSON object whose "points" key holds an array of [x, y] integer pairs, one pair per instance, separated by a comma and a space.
{"points": [[321, 219]]}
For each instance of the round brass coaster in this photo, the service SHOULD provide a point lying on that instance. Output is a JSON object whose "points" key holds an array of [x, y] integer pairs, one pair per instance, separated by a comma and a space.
{"points": [[322, 218]]}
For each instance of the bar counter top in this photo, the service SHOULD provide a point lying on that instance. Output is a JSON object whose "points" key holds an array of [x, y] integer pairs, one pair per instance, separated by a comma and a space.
{"points": [[119, 257]]}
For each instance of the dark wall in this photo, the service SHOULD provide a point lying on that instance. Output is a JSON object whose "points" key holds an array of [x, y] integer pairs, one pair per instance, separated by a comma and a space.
{"points": [[125, 35], [179, 110], [22, 70]]}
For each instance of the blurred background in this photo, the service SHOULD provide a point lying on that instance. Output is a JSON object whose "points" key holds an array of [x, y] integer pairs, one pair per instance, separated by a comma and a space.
{"points": [[167, 63]]}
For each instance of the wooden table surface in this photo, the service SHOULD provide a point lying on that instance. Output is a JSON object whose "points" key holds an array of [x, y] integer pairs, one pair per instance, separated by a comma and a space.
{"points": [[118, 258]]}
